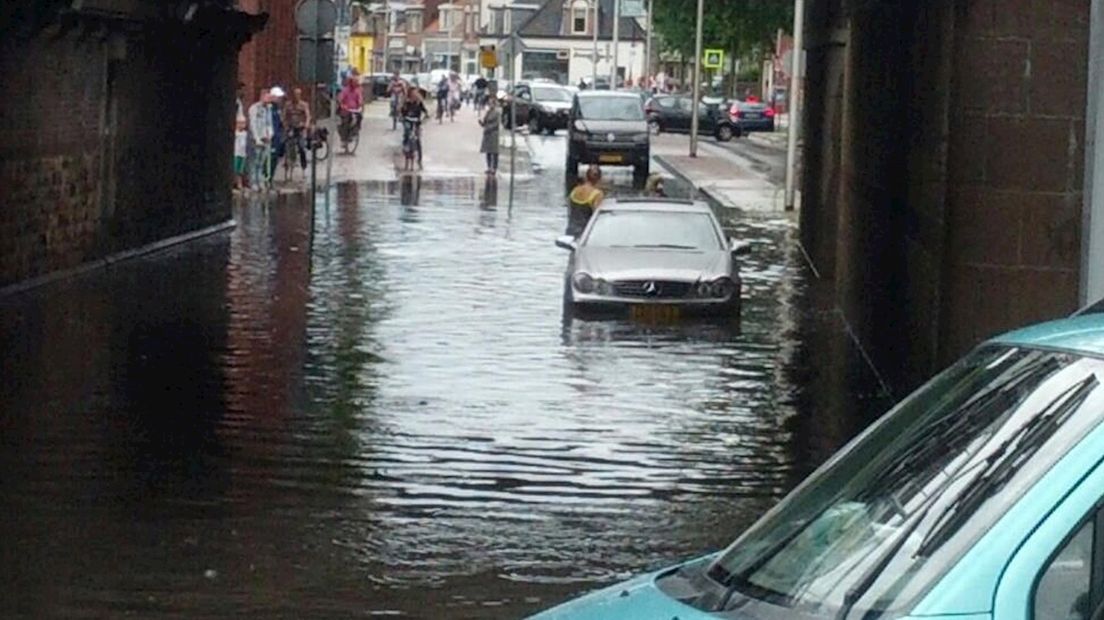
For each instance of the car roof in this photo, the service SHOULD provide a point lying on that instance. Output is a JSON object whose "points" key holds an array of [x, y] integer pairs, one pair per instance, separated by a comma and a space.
{"points": [[608, 93], [1083, 333], [656, 204]]}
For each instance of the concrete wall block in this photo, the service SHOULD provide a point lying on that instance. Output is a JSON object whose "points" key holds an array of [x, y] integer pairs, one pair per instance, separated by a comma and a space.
{"points": [[1058, 70], [994, 75], [984, 227]]}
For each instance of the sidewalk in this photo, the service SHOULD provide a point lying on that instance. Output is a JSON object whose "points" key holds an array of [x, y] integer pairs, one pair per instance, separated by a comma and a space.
{"points": [[723, 178], [449, 149]]}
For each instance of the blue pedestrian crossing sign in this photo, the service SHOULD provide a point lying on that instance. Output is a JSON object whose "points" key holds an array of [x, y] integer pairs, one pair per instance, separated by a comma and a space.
{"points": [[714, 59]]}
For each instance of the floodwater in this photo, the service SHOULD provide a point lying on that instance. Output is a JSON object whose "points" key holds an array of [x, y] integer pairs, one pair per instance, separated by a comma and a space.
{"points": [[388, 415]]}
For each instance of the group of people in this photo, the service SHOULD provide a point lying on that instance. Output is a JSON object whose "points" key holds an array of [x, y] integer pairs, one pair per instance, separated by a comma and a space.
{"points": [[273, 127]]}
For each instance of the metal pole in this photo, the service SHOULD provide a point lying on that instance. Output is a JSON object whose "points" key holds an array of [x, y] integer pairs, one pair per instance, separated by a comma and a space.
{"points": [[793, 97], [648, 43], [616, 41], [694, 120], [333, 114], [513, 115], [594, 67], [386, 36]]}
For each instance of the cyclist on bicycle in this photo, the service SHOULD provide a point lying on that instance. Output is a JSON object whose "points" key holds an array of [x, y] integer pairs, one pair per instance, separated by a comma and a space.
{"points": [[351, 101], [413, 111], [297, 117]]}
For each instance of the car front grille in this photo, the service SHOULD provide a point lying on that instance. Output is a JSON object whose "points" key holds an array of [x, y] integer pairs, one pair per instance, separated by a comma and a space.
{"points": [[652, 289]]}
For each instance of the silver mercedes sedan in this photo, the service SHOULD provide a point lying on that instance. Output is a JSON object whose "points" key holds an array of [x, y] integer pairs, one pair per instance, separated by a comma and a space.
{"points": [[655, 261]]}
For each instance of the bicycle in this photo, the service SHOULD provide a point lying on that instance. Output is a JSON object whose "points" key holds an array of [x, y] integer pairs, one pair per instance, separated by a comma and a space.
{"points": [[349, 131], [412, 142]]}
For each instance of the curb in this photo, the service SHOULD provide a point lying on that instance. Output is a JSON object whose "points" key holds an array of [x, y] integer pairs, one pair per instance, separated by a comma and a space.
{"points": [[705, 193], [111, 259]]}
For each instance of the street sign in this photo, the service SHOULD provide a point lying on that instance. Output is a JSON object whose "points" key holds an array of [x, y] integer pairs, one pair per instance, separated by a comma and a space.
{"points": [[316, 61], [713, 59], [488, 57], [634, 9], [315, 18]]}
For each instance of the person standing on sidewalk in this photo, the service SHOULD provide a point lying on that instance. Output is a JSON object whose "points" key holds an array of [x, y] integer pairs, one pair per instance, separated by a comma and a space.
{"points": [[491, 123], [260, 140], [275, 108], [241, 149]]}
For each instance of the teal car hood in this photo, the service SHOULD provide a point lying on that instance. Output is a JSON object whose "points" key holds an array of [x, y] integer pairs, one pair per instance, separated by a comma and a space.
{"points": [[638, 599]]}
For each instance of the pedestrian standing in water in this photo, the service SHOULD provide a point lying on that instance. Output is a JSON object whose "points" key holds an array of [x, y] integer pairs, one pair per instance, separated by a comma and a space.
{"points": [[241, 149], [491, 122], [275, 108], [583, 200], [260, 141]]}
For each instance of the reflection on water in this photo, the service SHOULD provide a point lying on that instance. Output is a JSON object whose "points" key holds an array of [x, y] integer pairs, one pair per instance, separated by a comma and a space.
{"points": [[389, 414]]}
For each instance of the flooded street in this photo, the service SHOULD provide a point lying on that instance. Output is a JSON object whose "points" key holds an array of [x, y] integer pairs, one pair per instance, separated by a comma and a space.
{"points": [[388, 415]]}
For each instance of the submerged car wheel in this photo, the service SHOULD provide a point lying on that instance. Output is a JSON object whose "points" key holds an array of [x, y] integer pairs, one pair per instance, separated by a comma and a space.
{"points": [[534, 124], [654, 127]]}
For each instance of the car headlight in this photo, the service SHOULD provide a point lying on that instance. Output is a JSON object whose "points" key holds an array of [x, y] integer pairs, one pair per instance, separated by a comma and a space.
{"points": [[603, 288], [583, 283], [722, 288]]}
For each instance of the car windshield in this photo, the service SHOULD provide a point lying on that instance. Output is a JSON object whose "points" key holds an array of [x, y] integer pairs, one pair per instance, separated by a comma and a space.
{"points": [[653, 229], [611, 109], [880, 523], [551, 94]]}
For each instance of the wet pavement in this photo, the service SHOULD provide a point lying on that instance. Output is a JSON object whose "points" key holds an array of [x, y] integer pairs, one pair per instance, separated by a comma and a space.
{"points": [[379, 409]]}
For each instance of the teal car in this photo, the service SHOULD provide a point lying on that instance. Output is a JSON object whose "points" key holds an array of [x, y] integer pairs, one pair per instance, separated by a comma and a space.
{"points": [[978, 496]]}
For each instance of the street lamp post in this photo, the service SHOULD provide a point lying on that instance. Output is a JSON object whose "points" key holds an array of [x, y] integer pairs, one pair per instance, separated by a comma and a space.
{"points": [[594, 65], [794, 106], [694, 120], [616, 42]]}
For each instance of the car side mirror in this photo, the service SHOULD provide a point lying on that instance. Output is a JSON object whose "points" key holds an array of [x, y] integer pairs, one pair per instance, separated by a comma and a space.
{"points": [[567, 242], [739, 248]]}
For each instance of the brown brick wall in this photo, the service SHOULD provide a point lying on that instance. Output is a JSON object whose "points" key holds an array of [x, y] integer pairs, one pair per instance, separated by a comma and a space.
{"points": [[1016, 144], [116, 141], [270, 57], [944, 156]]}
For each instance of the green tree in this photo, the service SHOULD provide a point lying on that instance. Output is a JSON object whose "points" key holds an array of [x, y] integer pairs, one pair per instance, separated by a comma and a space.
{"points": [[741, 27]]}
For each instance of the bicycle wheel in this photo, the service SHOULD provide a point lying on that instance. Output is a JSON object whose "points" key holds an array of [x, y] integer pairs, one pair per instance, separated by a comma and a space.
{"points": [[354, 141], [321, 150]]}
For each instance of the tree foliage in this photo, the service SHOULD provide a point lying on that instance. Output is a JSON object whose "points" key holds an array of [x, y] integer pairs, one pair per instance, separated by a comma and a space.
{"points": [[740, 26]]}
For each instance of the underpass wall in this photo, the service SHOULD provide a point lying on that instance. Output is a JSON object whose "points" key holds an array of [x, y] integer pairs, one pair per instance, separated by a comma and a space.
{"points": [[944, 163], [117, 134]]}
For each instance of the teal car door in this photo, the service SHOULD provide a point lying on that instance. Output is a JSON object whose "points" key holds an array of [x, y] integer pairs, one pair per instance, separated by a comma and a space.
{"points": [[1058, 571]]}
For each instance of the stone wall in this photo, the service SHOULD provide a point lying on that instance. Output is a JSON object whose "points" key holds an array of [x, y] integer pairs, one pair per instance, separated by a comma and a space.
{"points": [[114, 138], [944, 160]]}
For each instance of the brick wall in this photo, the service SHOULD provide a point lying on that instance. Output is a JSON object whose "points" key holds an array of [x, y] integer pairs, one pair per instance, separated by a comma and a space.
{"points": [[1016, 148], [112, 140], [270, 57], [944, 159]]}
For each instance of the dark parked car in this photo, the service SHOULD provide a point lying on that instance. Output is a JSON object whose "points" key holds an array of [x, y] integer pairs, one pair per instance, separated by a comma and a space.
{"points": [[752, 116], [541, 106], [673, 113], [608, 127], [379, 83]]}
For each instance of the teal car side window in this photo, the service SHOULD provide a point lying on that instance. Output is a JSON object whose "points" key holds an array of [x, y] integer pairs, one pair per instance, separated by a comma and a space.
{"points": [[1064, 590]]}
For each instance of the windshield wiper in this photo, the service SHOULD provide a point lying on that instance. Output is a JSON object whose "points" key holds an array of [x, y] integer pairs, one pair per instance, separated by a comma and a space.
{"points": [[665, 246], [995, 473], [1005, 461]]}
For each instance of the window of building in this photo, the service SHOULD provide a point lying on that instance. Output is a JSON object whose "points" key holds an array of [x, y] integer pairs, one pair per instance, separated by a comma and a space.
{"points": [[448, 18], [580, 15], [414, 22]]}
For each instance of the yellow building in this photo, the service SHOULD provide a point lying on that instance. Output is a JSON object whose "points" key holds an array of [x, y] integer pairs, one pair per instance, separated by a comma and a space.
{"points": [[360, 52]]}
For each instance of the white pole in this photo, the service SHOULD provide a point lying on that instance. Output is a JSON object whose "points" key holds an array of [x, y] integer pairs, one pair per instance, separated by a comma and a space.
{"points": [[793, 97], [694, 121], [648, 43], [616, 41], [594, 67]]}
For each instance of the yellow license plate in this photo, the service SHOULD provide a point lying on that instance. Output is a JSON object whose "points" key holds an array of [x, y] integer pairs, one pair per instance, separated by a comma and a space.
{"points": [[611, 158], [655, 313]]}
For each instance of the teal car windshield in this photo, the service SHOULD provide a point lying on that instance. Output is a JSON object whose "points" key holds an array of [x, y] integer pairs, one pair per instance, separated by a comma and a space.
{"points": [[879, 524]]}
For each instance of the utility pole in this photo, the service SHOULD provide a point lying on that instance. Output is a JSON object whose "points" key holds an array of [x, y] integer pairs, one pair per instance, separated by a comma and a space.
{"points": [[594, 66], [386, 36], [613, 70], [513, 113], [648, 42], [793, 99], [694, 120]]}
